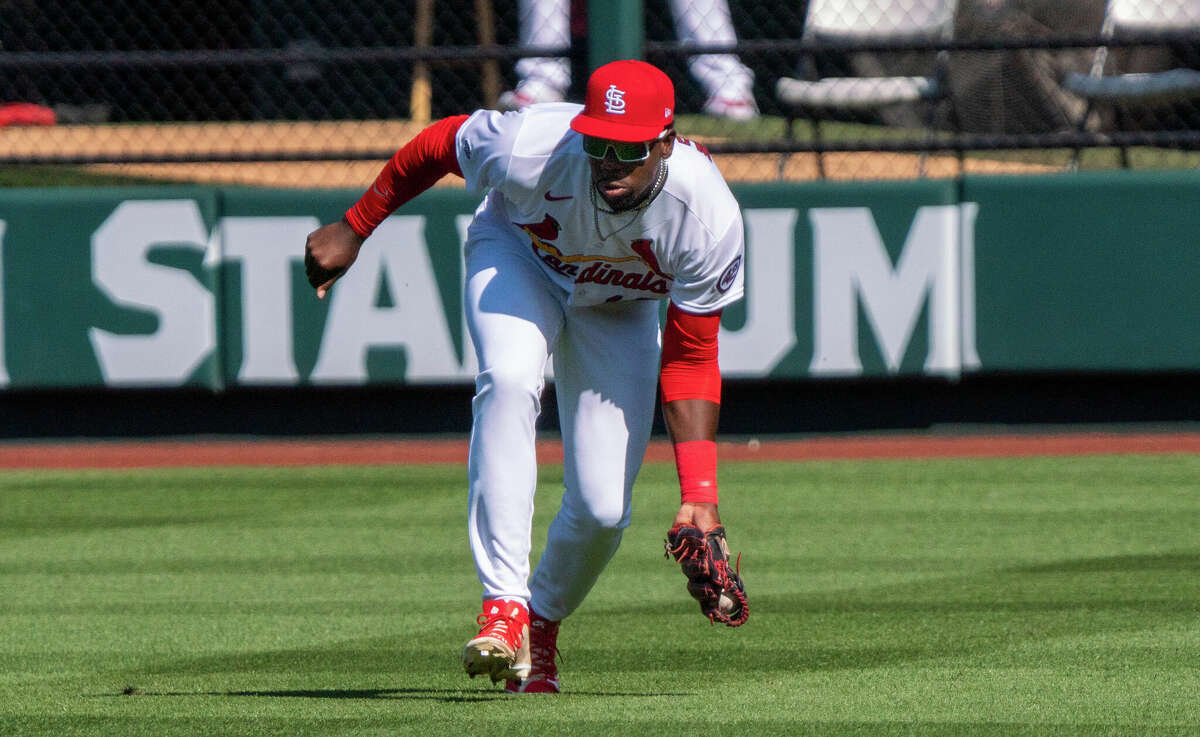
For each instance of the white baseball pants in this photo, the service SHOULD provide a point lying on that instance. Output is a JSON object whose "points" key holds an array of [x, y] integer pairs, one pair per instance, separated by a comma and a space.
{"points": [[605, 373], [547, 23]]}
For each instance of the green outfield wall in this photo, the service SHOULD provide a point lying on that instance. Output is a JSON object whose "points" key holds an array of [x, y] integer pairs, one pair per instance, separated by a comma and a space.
{"points": [[204, 287]]}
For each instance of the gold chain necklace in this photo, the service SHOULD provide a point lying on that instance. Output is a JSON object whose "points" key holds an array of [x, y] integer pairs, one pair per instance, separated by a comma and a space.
{"points": [[660, 178]]}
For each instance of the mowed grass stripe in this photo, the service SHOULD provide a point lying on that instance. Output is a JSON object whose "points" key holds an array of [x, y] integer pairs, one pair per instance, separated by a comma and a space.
{"points": [[1035, 596]]}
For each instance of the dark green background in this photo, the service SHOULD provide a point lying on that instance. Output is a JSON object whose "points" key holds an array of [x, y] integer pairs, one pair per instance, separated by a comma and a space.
{"points": [[1082, 272]]}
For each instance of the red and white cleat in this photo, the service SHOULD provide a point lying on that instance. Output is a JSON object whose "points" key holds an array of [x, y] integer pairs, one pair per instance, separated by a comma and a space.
{"points": [[503, 633], [529, 92], [737, 106], [539, 652]]}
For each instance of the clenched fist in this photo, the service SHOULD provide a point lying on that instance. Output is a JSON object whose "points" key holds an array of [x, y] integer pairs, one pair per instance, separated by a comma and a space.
{"points": [[328, 252]]}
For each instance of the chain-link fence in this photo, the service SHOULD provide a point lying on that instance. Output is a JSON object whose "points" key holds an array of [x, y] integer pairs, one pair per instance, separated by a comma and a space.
{"points": [[318, 93]]}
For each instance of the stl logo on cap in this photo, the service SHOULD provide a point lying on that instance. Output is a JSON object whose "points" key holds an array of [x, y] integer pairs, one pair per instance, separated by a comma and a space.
{"points": [[614, 101], [627, 100]]}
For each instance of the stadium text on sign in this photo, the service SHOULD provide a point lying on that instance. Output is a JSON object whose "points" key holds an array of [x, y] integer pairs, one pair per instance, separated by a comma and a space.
{"points": [[204, 287], [851, 267]]}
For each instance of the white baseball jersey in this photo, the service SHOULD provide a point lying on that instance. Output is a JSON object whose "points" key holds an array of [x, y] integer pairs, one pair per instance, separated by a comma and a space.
{"points": [[686, 245]]}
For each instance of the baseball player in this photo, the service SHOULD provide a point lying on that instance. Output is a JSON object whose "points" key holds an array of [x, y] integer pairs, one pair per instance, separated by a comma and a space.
{"points": [[591, 216]]}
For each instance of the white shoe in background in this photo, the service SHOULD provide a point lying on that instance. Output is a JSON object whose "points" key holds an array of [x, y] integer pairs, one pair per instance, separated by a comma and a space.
{"points": [[527, 93], [734, 106]]}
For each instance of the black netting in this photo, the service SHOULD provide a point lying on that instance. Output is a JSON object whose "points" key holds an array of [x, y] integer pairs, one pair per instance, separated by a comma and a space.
{"points": [[837, 88]]}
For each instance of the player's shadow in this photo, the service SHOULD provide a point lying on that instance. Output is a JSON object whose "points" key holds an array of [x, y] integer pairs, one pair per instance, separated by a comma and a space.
{"points": [[432, 694], [445, 695]]}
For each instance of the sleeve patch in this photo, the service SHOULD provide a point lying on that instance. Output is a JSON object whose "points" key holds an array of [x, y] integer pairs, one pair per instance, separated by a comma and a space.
{"points": [[729, 275]]}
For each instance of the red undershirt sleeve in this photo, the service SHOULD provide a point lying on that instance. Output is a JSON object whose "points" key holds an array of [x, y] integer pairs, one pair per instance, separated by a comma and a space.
{"points": [[690, 371], [689, 356], [416, 167]]}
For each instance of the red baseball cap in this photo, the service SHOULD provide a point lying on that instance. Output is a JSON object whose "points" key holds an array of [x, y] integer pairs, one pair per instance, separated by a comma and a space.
{"points": [[627, 100]]}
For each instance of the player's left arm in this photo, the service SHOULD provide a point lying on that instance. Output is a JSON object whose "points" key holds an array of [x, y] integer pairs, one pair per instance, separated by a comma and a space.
{"points": [[691, 387], [690, 380], [708, 277]]}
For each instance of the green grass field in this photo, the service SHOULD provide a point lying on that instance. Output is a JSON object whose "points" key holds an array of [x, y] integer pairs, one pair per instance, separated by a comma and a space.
{"points": [[67, 176], [1050, 596]]}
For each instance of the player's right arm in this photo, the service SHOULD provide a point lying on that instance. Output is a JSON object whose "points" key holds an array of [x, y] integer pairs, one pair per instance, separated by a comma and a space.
{"points": [[330, 250]]}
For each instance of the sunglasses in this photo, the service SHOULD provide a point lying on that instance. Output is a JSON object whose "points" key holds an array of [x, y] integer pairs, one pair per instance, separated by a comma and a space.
{"points": [[625, 152]]}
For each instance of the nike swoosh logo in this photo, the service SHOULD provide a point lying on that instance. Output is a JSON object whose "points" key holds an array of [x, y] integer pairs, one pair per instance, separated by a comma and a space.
{"points": [[380, 192], [552, 198]]}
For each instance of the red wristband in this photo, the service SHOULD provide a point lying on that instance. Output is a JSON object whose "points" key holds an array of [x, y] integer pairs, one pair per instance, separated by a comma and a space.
{"points": [[696, 461]]}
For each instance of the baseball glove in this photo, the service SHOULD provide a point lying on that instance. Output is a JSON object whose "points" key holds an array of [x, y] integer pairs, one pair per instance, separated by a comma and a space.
{"points": [[704, 557]]}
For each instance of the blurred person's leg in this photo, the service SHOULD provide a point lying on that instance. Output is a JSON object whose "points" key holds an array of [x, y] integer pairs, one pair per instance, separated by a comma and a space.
{"points": [[728, 82], [541, 79]]}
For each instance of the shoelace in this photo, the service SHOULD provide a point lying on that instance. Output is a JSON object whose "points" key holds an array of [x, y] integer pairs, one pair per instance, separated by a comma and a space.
{"points": [[543, 648], [496, 625]]}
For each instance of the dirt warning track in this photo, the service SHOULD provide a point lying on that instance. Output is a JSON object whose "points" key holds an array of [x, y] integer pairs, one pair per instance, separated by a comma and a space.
{"points": [[386, 451]]}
